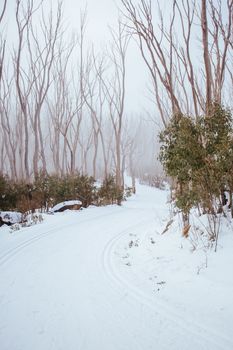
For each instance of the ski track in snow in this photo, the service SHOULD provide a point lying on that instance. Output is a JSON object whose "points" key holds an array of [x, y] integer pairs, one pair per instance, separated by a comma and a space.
{"points": [[61, 289], [10, 253], [199, 332]]}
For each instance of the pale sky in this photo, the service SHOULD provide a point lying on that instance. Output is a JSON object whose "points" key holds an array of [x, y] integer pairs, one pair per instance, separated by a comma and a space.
{"points": [[100, 15]]}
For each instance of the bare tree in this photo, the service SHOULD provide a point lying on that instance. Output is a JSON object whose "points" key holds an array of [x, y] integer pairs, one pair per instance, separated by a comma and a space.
{"points": [[115, 92], [221, 34], [37, 42], [2, 41], [42, 56], [85, 142], [159, 60], [9, 136], [2, 55], [3, 10], [170, 57], [205, 42], [64, 110], [95, 99], [23, 87]]}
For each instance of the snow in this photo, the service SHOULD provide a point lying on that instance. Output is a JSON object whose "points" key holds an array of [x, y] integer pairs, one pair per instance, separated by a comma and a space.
{"points": [[64, 204], [107, 279], [11, 217]]}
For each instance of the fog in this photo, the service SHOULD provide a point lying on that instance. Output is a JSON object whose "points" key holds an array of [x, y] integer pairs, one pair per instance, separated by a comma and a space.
{"points": [[80, 91]]}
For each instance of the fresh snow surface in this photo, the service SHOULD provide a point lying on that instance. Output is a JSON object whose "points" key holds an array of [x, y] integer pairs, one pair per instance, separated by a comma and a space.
{"points": [[107, 279], [64, 204], [11, 217]]}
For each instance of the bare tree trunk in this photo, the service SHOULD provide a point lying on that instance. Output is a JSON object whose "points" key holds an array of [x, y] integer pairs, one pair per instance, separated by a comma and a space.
{"points": [[2, 42], [115, 94], [168, 55], [23, 22], [208, 74], [158, 61], [8, 135]]}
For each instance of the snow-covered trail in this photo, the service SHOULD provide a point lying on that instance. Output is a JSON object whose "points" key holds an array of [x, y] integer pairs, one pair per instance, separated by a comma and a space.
{"points": [[61, 287]]}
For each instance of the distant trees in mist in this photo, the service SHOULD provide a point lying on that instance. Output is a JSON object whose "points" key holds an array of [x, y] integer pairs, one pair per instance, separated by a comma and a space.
{"points": [[188, 51], [62, 104], [189, 56]]}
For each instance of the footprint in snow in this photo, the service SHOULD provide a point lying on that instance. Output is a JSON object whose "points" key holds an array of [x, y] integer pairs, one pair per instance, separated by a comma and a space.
{"points": [[134, 244], [161, 283]]}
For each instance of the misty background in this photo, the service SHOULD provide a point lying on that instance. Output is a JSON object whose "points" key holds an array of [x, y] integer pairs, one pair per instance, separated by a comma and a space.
{"points": [[77, 94]]}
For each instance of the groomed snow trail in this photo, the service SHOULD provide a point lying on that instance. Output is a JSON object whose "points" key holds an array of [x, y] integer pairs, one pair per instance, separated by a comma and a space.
{"points": [[62, 286]]}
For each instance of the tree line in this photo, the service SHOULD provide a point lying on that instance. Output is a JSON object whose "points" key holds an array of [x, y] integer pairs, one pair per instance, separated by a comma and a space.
{"points": [[47, 190], [62, 102], [63, 105], [189, 56]]}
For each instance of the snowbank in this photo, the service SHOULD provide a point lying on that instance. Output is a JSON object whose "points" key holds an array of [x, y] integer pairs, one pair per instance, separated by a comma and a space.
{"points": [[66, 205], [10, 217]]}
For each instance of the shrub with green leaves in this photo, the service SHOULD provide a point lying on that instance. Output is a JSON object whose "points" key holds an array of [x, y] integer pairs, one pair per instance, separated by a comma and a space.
{"points": [[109, 193], [198, 154], [6, 193], [47, 190]]}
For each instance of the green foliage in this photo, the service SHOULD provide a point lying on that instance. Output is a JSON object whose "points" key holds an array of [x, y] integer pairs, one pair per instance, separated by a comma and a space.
{"points": [[45, 189], [216, 130], [48, 190], [15, 195], [3, 191], [84, 189], [181, 150], [109, 193], [199, 156], [56, 189], [7, 193]]}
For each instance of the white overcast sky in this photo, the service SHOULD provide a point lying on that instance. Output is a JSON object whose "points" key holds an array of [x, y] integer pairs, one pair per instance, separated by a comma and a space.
{"points": [[100, 15]]}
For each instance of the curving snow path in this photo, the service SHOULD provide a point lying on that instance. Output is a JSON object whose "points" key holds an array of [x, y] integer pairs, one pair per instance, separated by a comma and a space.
{"points": [[74, 283]]}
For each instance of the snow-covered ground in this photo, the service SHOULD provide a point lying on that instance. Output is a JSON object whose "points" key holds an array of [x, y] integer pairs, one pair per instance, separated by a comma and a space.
{"points": [[107, 279]]}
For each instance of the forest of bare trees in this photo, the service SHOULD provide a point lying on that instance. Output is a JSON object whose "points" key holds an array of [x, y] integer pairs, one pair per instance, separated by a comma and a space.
{"points": [[62, 102], [188, 52], [189, 56]]}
